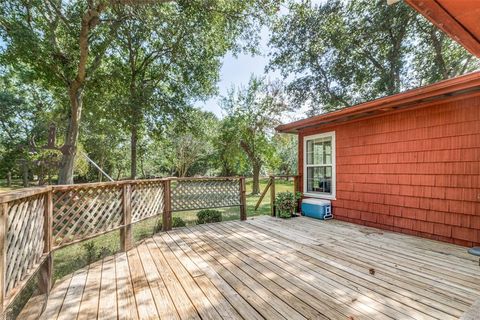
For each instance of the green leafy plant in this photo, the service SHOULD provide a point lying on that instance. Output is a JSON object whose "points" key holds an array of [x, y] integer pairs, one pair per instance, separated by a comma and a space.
{"points": [[178, 222], [90, 251], [208, 216], [286, 203], [158, 226], [93, 253]]}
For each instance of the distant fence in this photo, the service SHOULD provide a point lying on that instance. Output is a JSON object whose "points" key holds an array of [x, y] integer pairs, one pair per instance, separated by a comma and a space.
{"points": [[35, 222]]}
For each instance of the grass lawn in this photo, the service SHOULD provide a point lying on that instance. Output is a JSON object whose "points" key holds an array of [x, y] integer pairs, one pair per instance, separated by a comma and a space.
{"points": [[74, 257], [16, 184]]}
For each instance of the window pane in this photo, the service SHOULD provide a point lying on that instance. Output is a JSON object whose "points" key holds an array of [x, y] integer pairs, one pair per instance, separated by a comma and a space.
{"points": [[319, 179], [327, 158], [309, 152], [319, 151]]}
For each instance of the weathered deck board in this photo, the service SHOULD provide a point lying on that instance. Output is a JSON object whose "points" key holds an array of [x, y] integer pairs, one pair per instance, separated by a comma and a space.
{"points": [[275, 269]]}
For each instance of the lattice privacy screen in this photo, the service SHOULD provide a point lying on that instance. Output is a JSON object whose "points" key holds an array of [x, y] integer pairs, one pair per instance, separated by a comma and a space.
{"points": [[203, 194], [148, 199], [83, 212], [24, 238]]}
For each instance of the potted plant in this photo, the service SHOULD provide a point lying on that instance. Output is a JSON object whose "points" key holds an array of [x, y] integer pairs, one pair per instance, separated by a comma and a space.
{"points": [[286, 203]]}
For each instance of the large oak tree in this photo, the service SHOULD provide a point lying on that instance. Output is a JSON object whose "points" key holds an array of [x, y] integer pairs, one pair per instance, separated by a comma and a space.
{"points": [[342, 53], [64, 44]]}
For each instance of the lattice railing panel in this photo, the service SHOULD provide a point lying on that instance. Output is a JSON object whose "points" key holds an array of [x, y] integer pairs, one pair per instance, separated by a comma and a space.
{"points": [[148, 199], [207, 193], [24, 238], [82, 212]]}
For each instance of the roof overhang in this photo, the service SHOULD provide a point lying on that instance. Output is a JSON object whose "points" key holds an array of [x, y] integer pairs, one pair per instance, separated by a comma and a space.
{"points": [[460, 19], [460, 87]]}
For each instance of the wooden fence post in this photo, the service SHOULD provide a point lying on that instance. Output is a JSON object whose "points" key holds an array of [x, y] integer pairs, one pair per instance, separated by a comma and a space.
{"points": [[243, 200], [126, 232], [272, 195], [45, 273], [3, 254], [295, 190], [167, 212]]}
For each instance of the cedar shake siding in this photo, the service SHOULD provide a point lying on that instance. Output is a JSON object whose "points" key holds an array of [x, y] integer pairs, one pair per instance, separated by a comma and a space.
{"points": [[415, 172]]}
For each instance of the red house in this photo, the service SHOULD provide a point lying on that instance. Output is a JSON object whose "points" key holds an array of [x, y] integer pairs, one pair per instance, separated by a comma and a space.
{"points": [[409, 162]]}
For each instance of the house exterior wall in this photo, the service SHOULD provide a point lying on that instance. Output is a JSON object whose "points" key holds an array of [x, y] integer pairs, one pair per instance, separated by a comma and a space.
{"points": [[415, 172]]}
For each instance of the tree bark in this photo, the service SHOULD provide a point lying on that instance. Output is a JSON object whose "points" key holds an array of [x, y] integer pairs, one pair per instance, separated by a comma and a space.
{"points": [[256, 178], [133, 151], [75, 92], [9, 179], [69, 149], [25, 173]]}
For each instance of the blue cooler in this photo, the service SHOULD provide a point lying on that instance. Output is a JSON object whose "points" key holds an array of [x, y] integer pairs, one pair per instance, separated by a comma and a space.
{"points": [[317, 208]]}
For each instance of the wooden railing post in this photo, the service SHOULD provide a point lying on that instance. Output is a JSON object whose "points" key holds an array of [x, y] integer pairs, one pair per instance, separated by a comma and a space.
{"points": [[243, 200], [167, 212], [272, 195], [126, 231], [296, 189], [45, 273], [3, 254]]}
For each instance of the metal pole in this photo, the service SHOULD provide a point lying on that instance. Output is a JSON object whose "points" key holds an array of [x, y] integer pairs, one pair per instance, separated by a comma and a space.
{"points": [[96, 166]]}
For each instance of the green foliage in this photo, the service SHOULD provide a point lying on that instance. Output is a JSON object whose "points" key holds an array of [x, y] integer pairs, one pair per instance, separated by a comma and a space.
{"points": [[158, 227], [178, 222], [208, 216], [190, 139], [90, 251], [94, 251], [285, 158], [253, 112], [127, 66], [341, 53], [286, 203], [228, 156]]}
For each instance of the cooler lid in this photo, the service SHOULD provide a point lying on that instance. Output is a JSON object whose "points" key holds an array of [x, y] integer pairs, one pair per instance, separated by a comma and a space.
{"points": [[321, 202]]}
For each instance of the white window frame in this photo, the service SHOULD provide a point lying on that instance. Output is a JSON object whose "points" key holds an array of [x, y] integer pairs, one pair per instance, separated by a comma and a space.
{"points": [[320, 195]]}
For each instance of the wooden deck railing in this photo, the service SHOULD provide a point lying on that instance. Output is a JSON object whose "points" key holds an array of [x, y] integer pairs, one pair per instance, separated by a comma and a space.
{"points": [[271, 185], [35, 222]]}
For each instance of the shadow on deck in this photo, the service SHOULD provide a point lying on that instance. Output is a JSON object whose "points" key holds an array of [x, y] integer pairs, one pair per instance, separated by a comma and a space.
{"points": [[276, 269]]}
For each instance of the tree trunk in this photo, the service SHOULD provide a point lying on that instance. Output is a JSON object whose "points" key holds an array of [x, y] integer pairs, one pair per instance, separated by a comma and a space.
{"points": [[9, 179], [133, 152], [25, 173], [69, 149], [256, 179], [100, 174], [41, 174], [75, 92]]}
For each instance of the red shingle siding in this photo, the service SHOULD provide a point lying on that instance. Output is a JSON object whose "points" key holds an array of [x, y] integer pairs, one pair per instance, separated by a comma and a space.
{"points": [[416, 172]]}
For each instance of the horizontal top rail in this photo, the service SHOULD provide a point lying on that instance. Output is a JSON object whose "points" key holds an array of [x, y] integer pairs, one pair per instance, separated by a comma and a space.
{"points": [[22, 193], [28, 192], [284, 175], [106, 183], [204, 178]]}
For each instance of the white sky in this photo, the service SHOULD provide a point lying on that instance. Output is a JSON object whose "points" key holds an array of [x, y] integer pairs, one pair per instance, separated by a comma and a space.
{"points": [[237, 71]]}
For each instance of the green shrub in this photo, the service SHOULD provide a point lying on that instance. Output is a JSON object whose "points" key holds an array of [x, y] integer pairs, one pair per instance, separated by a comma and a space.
{"points": [[208, 216], [178, 222], [158, 226], [90, 251], [286, 203]]}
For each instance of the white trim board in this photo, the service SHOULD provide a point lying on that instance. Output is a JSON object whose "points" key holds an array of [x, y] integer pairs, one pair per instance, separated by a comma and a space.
{"points": [[320, 195]]}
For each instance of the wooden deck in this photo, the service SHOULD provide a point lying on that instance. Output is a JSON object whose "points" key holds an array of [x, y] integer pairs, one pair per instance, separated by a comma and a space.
{"points": [[276, 269]]}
